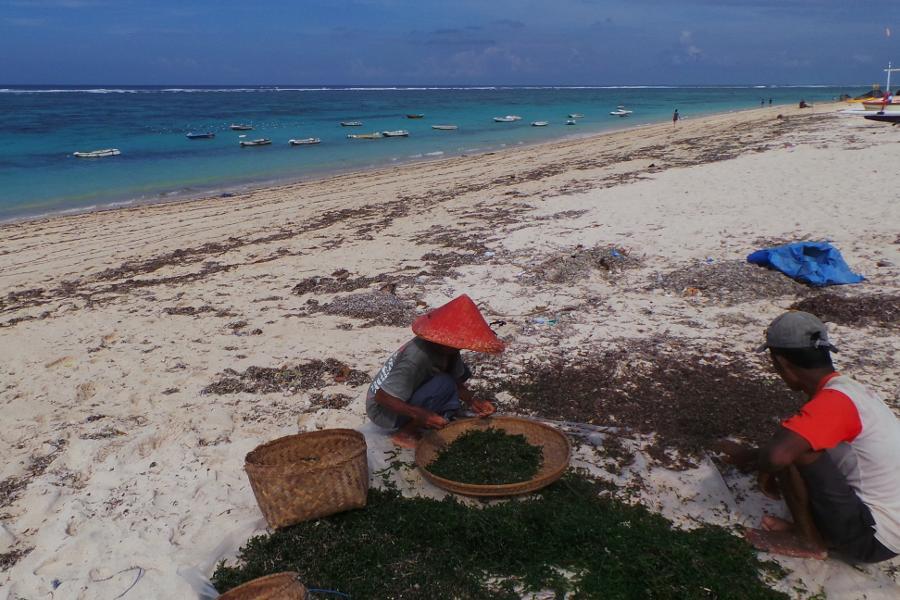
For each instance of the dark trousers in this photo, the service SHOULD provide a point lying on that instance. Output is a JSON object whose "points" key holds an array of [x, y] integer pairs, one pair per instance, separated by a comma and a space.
{"points": [[841, 517], [438, 394]]}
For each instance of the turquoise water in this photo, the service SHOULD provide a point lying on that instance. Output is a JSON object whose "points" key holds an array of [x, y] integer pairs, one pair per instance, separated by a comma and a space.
{"points": [[41, 127]]}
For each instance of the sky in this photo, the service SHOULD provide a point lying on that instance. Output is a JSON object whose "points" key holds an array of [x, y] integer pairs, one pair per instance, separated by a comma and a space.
{"points": [[451, 42]]}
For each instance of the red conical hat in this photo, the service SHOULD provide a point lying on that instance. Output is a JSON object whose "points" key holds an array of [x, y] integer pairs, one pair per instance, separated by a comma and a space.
{"points": [[458, 324]]}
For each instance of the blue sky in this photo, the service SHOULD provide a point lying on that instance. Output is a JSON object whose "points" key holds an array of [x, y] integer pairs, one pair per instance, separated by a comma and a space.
{"points": [[372, 42]]}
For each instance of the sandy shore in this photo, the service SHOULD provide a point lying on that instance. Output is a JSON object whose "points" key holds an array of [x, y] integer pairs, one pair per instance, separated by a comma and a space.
{"points": [[119, 472]]}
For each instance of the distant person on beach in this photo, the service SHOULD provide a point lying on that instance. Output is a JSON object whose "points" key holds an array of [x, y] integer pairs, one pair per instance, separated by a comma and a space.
{"points": [[422, 385], [835, 462], [770, 102], [675, 117], [803, 104], [762, 101]]}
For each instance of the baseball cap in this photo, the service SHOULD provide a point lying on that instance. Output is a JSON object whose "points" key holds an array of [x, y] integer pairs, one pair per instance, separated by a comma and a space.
{"points": [[796, 330]]}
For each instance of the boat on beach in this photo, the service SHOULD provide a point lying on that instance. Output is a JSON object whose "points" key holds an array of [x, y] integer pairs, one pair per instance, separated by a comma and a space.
{"points": [[540, 123], [892, 118], [98, 153], [240, 127], [365, 136], [396, 133], [351, 123], [445, 127], [415, 116], [304, 141], [259, 142], [507, 119], [200, 136], [621, 111]]}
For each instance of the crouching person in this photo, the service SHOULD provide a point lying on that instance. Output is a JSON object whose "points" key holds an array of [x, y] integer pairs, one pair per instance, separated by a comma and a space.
{"points": [[422, 385]]}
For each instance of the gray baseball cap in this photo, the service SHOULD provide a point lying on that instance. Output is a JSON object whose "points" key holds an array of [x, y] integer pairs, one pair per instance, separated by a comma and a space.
{"points": [[796, 330]]}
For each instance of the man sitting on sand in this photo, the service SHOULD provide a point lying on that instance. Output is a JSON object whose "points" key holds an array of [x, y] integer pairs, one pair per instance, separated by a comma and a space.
{"points": [[835, 463], [421, 384]]}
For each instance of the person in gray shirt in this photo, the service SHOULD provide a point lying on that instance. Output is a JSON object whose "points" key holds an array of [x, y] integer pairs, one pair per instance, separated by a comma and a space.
{"points": [[422, 385]]}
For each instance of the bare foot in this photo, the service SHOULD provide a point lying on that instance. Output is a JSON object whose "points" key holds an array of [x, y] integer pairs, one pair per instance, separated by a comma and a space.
{"points": [[770, 523], [785, 543], [405, 440]]}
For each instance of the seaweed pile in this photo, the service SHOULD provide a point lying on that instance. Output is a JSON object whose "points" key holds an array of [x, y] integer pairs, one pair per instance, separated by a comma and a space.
{"points": [[577, 264], [379, 307], [874, 309], [314, 374], [488, 457], [566, 538], [686, 395], [727, 281]]}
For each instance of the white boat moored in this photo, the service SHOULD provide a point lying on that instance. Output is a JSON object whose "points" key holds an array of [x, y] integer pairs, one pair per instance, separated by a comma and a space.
{"points": [[576, 116], [98, 153], [540, 123], [351, 123], [240, 127], [304, 141], [445, 127], [365, 136], [259, 142], [396, 133]]}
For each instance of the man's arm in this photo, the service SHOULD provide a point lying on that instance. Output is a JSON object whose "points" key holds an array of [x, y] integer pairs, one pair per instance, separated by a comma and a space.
{"points": [[783, 450], [428, 419]]}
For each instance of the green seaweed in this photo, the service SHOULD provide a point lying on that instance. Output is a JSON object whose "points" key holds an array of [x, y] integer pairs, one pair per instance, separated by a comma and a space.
{"points": [[567, 538], [488, 456]]}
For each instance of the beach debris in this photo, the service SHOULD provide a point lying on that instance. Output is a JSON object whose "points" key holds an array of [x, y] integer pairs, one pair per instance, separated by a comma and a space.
{"points": [[339, 281], [815, 263], [11, 487], [726, 281], [188, 310], [9, 559], [872, 309], [379, 307], [488, 457], [314, 374], [570, 538], [579, 263], [319, 401]]}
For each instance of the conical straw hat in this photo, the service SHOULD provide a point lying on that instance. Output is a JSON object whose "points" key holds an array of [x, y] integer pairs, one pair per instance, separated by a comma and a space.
{"points": [[458, 324]]}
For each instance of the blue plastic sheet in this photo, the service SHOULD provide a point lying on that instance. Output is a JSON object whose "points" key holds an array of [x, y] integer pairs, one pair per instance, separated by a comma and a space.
{"points": [[815, 263]]}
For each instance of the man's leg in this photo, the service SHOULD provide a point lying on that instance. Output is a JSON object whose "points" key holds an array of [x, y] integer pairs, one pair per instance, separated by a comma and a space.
{"points": [[439, 395]]}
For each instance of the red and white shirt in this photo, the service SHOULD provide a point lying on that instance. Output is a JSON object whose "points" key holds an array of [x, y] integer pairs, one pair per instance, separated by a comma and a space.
{"points": [[862, 435]]}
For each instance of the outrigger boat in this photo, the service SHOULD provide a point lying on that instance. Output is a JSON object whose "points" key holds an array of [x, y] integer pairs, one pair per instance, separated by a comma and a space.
{"points": [[621, 111], [415, 116], [304, 142], [396, 133], [893, 118], [351, 123], [576, 116], [570, 122], [365, 136], [259, 142], [445, 127], [539, 123], [507, 119], [98, 153], [241, 127], [200, 136]]}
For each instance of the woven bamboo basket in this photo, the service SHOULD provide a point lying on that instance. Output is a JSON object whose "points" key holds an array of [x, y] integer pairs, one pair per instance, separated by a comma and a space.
{"points": [[309, 475], [280, 586], [554, 444]]}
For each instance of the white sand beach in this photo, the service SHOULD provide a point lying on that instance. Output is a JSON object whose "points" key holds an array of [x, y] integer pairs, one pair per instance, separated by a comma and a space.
{"points": [[120, 476]]}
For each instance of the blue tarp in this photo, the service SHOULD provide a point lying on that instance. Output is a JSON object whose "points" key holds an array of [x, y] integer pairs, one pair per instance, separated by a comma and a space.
{"points": [[815, 263]]}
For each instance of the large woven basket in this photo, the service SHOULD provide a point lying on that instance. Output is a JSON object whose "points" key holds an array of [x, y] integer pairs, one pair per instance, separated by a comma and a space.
{"points": [[309, 475], [555, 446], [280, 586]]}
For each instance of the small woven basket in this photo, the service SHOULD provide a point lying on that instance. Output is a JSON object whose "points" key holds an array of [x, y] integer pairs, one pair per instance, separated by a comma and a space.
{"points": [[309, 475], [553, 443], [280, 586]]}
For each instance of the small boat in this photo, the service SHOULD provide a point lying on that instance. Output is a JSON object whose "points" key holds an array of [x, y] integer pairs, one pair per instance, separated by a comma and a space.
{"points": [[880, 105], [304, 142], [445, 127], [351, 123], [259, 142], [570, 122], [200, 136], [539, 123], [507, 119], [621, 111], [893, 117], [396, 133], [415, 116], [240, 127], [98, 153], [576, 116], [365, 136]]}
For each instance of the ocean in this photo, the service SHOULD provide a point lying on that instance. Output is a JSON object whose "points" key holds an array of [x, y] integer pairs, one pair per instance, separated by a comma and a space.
{"points": [[42, 126]]}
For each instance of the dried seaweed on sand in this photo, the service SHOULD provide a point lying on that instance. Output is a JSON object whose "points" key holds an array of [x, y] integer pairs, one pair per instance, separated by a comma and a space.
{"points": [[874, 309], [727, 281], [379, 307], [314, 374], [578, 264]]}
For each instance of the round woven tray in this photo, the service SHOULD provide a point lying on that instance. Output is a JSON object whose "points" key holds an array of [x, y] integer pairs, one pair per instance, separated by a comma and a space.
{"points": [[554, 444], [280, 586], [309, 475]]}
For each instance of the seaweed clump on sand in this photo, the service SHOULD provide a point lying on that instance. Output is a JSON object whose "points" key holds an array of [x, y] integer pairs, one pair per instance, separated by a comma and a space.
{"points": [[874, 309], [488, 457], [380, 307], [567, 538], [727, 281], [577, 264], [314, 374], [688, 396]]}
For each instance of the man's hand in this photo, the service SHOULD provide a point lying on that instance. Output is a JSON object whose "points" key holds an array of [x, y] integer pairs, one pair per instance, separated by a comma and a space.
{"points": [[435, 421], [741, 456], [768, 485], [482, 408]]}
